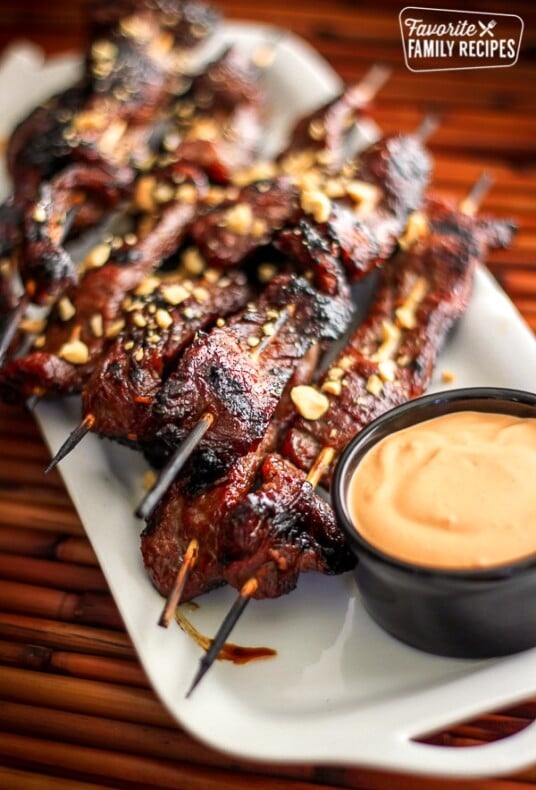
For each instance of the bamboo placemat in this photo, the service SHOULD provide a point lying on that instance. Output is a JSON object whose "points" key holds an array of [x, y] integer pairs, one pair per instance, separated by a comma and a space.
{"points": [[76, 710]]}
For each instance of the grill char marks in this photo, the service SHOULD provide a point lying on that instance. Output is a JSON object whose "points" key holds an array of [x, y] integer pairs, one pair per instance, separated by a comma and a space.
{"points": [[185, 512], [100, 293], [238, 373], [385, 185], [438, 271], [280, 530], [124, 384]]}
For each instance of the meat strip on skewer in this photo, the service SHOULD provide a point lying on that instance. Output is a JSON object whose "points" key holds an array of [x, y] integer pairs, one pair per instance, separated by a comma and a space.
{"points": [[391, 357], [325, 129], [237, 373], [185, 515], [159, 325], [132, 70], [422, 292], [87, 317], [44, 265], [218, 123], [357, 215]]}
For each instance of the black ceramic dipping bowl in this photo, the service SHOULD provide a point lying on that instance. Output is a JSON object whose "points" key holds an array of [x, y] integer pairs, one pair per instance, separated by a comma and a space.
{"points": [[464, 614]]}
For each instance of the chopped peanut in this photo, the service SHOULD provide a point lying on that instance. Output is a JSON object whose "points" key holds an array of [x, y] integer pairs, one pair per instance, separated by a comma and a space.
{"points": [[76, 352], [309, 402]]}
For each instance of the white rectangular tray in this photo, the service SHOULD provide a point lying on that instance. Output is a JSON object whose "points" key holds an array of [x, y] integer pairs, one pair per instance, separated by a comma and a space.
{"points": [[339, 690]]}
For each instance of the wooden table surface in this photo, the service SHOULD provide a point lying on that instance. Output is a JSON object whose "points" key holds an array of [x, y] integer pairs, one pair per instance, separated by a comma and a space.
{"points": [[76, 710]]}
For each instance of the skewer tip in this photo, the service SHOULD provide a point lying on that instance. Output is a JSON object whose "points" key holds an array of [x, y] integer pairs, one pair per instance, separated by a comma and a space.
{"points": [[427, 127], [71, 441], [231, 618], [471, 203]]}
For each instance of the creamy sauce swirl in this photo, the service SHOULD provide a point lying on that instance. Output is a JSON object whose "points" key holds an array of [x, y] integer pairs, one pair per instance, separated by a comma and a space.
{"points": [[457, 491]]}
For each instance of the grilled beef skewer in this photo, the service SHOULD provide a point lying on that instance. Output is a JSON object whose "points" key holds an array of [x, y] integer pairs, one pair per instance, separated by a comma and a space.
{"points": [[267, 539], [193, 508], [131, 71], [122, 388], [323, 131], [357, 215], [88, 316], [387, 361], [218, 123], [229, 382]]}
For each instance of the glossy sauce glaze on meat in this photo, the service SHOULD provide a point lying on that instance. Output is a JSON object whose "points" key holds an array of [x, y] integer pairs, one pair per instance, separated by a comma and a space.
{"points": [[88, 315], [237, 373], [282, 527], [159, 325]]}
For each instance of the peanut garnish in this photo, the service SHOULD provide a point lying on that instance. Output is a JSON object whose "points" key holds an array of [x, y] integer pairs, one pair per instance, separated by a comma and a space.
{"points": [[365, 195], [147, 286], [374, 384], [405, 314], [143, 194], [174, 294], [39, 214], [163, 319], [33, 326], [96, 325], [192, 261], [139, 320], [318, 204], [239, 219], [332, 387], [417, 226], [114, 328], [310, 403], [97, 257], [66, 309], [76, 352]]}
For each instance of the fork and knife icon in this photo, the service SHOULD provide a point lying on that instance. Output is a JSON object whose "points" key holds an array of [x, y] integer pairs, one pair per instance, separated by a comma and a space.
{"points": [[487, 28]]}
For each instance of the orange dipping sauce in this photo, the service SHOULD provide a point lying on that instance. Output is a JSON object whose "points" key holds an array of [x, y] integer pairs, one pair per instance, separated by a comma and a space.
{"points": [[456, 492]]}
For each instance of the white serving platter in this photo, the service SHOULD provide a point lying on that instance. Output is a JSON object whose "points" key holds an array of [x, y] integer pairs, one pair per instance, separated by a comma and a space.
{"points": [[339, 690]]}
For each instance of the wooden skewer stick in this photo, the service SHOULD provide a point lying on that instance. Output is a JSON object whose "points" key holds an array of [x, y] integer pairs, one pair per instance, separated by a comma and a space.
{"points": [[174, 465], [233, 615], [427, 127], [71, 441], [11, 326], [186, 448], [321, 464], [188, 562], [471, 203], [372, 82]]}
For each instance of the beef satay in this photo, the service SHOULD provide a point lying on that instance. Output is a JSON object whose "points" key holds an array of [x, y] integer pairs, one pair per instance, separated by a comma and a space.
{"points": [[226, 387], [422, 291], [218, 123], [388, 360], [131, 71], [237, 373], [159, 325], [362, 211], [324, 130], [193, 511], [88, 316], [45, 266], [271, 537], [358, 215]]}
